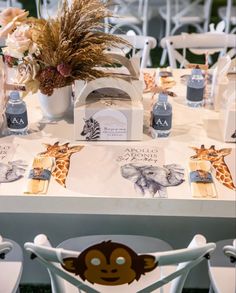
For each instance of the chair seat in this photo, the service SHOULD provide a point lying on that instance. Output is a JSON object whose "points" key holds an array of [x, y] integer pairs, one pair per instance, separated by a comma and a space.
{"points": [[226, 279], [8, 270], [125, 19], [195, 16], [11, 269], [222, 14], [222, 270], [189, 19]]}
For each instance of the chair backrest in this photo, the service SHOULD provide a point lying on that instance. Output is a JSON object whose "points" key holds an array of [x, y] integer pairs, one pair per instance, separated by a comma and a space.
{"points": [[11, 264], [116, 259], [47, 9], [222, 267], [230, 251], [9, 3], [198, 44], [5, 247], [143, 44], [228, 14], [132, 14]]}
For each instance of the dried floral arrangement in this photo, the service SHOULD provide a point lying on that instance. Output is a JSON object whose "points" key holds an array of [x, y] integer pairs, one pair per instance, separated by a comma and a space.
{"points": [[52, 53]]}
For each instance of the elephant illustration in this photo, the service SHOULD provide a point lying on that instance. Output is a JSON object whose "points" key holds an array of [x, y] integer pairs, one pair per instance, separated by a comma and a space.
{"points": [[12, 171], [152, 179]]}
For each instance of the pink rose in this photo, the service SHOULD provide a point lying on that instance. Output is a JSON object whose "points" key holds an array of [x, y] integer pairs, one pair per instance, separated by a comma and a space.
{"points": [[12, 13], [64, 69], [10, 18], [10, 61]]}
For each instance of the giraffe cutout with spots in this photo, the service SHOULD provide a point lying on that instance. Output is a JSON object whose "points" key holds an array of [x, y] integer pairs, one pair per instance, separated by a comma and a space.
{"points": [[216, 158], [61, 154]]}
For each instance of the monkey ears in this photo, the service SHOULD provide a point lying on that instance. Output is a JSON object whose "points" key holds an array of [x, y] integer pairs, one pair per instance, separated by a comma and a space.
{"points": [[150, 263], [69, 264]]}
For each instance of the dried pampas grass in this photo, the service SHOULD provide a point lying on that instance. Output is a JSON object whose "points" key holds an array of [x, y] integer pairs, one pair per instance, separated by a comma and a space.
{"points": [[75, 38]]}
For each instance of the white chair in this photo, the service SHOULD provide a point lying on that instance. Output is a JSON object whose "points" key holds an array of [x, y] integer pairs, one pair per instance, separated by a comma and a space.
{"points": [[222, 267], [9, 3], [180, 13], [228, 14], [11, 265], [185, 12], [142, 44], [209, 43], [46, 9], [111, 263], [129, 14]]}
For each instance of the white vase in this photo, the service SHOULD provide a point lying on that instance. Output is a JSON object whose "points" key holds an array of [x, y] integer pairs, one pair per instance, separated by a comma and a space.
{"points": [[57, 105]]}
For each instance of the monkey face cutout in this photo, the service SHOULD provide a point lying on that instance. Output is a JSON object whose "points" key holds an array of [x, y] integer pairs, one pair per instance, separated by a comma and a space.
{"points": [[110, 263]]}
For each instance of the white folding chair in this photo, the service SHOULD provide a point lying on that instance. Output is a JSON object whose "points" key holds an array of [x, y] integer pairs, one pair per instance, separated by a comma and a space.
{"points": [[99, 263], [228, 14], [209, 43], [11, 265], [222, 267], [141, 46], [129, 14]]}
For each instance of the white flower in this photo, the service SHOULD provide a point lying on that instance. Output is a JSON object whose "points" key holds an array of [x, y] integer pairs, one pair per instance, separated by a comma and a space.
{"points": [[19, 42], [26, 74]]}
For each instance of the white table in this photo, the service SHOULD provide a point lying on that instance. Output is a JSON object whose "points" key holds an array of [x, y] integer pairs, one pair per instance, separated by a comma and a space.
{"points": [[190, 127], [62, 213]]}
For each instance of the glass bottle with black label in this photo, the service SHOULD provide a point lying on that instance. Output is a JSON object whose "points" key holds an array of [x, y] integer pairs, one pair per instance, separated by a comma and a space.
{"points": [[195, 88], [16, 115], [161, 117]]}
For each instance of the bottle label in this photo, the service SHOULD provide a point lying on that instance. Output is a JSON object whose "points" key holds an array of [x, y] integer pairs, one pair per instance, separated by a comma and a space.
{"points": [[162, 122], [195, 94], [17, 121]]}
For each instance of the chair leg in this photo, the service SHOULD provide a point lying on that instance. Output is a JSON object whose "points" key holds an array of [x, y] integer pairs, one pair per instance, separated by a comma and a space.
{"points": [[211, 289], [163, 57], [233, 30]]}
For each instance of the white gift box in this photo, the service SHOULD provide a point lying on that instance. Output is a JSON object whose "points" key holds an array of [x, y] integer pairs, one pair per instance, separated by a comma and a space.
{"points": [[109, 109], [228, 118]]}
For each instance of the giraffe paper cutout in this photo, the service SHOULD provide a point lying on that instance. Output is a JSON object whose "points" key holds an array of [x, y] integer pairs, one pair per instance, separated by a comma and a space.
{"points": [[216, 158], [61, 154]]}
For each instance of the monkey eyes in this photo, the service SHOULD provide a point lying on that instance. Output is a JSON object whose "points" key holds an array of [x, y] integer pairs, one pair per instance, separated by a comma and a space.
{"points": [[120, 260], [95, 261]]}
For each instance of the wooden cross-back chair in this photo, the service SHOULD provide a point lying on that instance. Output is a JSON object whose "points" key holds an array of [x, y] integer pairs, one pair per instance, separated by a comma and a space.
{"points": [[140, 45], [89, 264], [222, 267], [129, 15], [181, 13], [207, 43], [228, 14], [11, 265]]}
